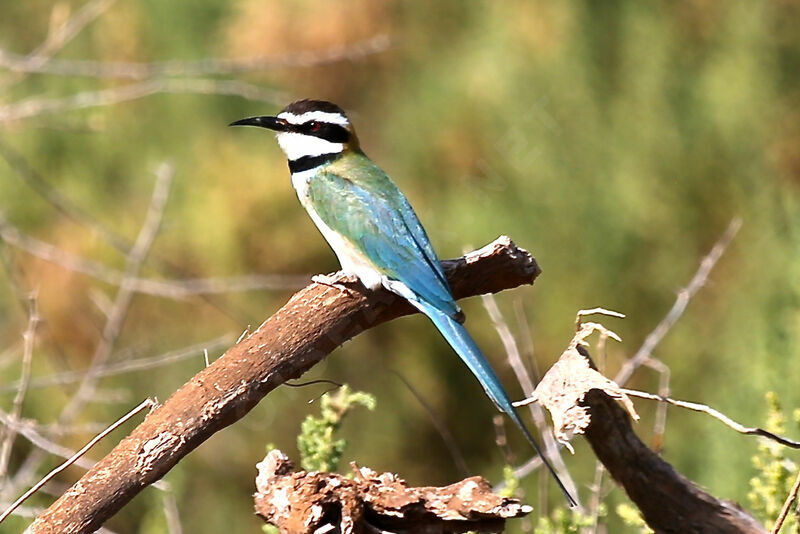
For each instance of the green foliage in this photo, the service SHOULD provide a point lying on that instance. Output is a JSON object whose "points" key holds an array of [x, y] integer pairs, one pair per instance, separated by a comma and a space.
{"points": [[317, 443], [631, 517], [511, 482], [565, 521], [776, 472]]}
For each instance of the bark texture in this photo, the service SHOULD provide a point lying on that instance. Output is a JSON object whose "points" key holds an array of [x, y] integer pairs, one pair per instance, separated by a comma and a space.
{"points": [[305, 502], [315, 321]]}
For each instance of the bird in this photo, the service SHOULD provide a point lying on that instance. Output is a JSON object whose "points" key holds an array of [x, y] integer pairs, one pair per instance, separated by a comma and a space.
{"points": [[374, 231]]}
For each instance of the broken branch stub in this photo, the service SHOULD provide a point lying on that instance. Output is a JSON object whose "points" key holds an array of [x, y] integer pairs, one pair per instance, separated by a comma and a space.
{"points": [[302, 501], [581, 400], [564, 386]]}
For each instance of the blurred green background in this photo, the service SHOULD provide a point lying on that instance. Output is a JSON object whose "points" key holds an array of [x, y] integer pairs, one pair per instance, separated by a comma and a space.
{"points": [[615, 140]]}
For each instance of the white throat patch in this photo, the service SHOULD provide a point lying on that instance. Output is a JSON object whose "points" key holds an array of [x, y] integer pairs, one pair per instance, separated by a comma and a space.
{"points": [[321, 116], [296, 145]]}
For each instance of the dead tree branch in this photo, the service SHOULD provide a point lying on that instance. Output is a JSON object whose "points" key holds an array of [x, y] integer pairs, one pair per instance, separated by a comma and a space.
{"points": [[315, 321], [300, 501], [670, 503]]}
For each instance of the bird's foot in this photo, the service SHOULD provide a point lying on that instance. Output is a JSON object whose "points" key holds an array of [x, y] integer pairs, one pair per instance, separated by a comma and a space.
{"points": [[336, 280]]}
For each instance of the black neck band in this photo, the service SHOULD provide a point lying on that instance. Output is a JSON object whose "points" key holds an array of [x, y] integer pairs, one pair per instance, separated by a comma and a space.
{"points": [[309, 162]]}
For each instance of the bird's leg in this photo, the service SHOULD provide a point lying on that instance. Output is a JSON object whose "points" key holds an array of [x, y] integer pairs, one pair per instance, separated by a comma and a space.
{"points": [[336, 280]]}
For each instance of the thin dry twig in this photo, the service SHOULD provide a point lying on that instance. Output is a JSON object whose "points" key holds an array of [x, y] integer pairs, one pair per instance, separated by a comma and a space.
{"points": [[113, 326], [174, 525], [32, 178], [681, 302], [595, 311], [181, 289], [528, 388], [122, 302], [752, 431], [174, 289], [526, 340], [58, 37], [440, 425], [164, 77], [29, 340], [596, 498], [660, 419], [129, 365], [147, 403], [501, 438], [35, 106], [29, 432], [202, 67], [787, 505]]}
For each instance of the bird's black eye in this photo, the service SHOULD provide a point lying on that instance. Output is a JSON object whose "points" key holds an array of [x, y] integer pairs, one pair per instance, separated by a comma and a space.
{"points": [[314, 126]]}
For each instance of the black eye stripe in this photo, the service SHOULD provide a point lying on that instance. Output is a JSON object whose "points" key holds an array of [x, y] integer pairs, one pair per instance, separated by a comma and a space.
{"points": [[334, 133]]}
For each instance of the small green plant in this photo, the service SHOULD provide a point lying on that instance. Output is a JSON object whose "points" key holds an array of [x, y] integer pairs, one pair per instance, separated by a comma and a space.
{"points": [[319, 450], [511, 482], [631, 516], [563, 521], [776, 472]]}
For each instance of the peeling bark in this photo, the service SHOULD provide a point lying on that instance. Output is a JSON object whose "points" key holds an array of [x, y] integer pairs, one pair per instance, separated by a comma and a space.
{"points": [[305, 502]]}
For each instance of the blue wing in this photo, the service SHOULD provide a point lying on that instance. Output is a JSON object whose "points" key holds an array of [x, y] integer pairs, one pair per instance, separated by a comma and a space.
{"points": [[380, 223]]}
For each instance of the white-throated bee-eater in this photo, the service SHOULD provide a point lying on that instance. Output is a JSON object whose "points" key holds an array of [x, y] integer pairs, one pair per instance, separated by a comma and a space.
{"points": [[373, 230]]}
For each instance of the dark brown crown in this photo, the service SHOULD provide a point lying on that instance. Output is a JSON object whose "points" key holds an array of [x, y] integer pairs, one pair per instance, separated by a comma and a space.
{"points": [[304, 106]]}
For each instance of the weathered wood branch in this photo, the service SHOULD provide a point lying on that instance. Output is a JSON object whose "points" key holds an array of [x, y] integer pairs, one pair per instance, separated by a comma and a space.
{"points": [[304, 502], [315, 321], [670, 503]]}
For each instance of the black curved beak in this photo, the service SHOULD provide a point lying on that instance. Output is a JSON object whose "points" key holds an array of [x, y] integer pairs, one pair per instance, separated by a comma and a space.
{"points": [[272, 123]]}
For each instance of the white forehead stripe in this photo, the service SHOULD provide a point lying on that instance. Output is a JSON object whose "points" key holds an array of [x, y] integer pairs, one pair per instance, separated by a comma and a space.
{"points": [[296, 145], [321, 116]]}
